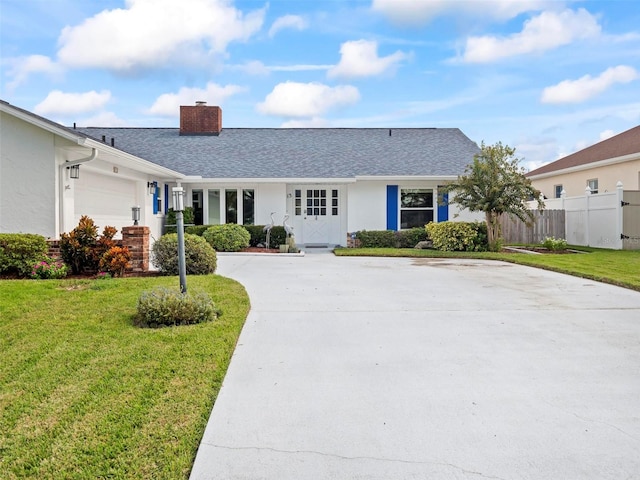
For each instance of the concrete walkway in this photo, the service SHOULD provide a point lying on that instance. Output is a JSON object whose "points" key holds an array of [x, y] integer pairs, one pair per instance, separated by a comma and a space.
{"points": [[379, 368]]}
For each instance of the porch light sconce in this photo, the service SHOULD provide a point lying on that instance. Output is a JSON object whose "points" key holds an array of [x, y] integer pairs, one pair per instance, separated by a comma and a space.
{"points": [[74, 171], [135, 214], [151, 187]]}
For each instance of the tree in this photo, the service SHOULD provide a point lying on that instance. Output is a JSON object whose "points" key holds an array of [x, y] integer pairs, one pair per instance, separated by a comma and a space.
{"points": [[495, 184]]}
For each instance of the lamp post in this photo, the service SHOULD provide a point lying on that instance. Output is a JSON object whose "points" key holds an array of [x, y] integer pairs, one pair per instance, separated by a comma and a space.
{"points": [[178, 206]]}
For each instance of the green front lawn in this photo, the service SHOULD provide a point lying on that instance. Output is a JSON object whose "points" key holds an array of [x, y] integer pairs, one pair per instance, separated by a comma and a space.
{"points": [[618, 267], [85, 394]]}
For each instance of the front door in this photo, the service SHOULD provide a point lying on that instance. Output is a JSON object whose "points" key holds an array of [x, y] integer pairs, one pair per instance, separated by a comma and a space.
{"points": [[317, 214]]}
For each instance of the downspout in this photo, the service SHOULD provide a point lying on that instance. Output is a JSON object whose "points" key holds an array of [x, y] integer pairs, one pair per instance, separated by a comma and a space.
{"points": [[62, 179]]}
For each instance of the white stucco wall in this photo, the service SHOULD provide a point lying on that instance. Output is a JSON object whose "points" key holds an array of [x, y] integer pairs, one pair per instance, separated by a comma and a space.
{"points": [[27, 178], [367, 206]]}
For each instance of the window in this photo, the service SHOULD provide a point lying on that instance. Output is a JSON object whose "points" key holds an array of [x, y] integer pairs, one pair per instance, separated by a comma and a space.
{"points": [[317, 202], [214, 207], [248, 204], [334, 202], [593, 185], [557, 191], [416, 207], [298, 205], [231, 204]]}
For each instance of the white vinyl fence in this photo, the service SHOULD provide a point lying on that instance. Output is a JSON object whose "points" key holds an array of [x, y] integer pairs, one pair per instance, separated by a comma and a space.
{"points": [[596, 220]]}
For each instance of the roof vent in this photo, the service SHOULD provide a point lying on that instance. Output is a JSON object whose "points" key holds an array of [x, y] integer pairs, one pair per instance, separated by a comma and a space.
{"points": [[200, 119]]}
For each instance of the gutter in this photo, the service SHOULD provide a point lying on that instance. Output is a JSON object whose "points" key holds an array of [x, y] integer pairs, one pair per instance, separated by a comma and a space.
{"points": [[93, 156]]}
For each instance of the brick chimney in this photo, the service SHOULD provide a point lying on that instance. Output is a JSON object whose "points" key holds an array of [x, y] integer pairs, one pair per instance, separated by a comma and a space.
{"points": [[200, 119]]}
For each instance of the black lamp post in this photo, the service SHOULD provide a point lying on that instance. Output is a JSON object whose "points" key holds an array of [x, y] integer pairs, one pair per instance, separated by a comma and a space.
{"points": [[178, 206]]}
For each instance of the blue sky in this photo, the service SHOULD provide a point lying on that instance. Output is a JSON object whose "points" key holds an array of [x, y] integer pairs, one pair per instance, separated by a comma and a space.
{"points": [[546, 77]]}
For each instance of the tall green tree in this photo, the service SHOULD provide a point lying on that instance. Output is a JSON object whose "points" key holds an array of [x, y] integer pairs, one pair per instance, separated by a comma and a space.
{"points": [[495, 184]]}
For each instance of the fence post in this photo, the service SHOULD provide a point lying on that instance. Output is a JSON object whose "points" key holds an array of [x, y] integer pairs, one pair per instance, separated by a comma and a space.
{"points": [[587, 194], [618, 241]]}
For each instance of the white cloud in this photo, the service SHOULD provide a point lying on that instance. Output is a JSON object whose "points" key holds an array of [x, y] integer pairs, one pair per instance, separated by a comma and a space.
{"points": [[104, 119], [360, 59], [577, 91], [288, 21], [168, 104], [418, 12], [149, 33], [292, 99], [23, 67], [541, 33], [60, 103]]}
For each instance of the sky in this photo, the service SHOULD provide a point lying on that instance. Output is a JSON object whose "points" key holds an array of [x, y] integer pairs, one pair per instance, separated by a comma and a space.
{"points": [[548, 77]]}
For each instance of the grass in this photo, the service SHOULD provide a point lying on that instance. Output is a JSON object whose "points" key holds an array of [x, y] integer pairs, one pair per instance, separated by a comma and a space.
{"points": [[617, 267], [85, 394]]}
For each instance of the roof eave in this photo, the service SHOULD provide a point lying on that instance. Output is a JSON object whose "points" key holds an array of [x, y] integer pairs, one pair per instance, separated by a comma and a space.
{"points": [[586, 166]]}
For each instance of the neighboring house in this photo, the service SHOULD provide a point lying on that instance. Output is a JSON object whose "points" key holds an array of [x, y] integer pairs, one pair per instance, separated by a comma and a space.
{"points": [[330, 181], [599, 167]]}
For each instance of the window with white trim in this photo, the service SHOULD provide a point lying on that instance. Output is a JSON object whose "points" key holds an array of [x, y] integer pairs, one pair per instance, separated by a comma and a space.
{"points": [[557, 191], [416, 207], [593, 185]]}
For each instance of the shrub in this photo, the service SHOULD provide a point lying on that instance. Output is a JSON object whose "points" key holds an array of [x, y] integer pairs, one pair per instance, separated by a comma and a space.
{"points": [[115, 261], [82, 249], [164, 307], [49, 268], [554, 244], [104, 243], [20, 251], [410, 238], [453, 236], [170, 219], [196, 229], [376, 238], [227, 238], [200, 258]]}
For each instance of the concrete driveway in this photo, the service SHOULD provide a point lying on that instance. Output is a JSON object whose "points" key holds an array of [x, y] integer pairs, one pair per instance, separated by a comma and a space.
{"points": [[380, 368]]}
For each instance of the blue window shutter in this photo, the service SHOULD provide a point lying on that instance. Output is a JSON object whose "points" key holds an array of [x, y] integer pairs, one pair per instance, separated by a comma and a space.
{"points": [[443, 210], [392, 207], [155, 201], [166, 199]]}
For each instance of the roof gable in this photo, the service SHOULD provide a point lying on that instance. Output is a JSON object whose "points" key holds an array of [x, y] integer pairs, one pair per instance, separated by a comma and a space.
{"points": [[625, 143]]}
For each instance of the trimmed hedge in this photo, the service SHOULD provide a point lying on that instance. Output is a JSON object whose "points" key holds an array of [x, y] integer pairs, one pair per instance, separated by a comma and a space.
{"points": [[391, 239], [170, 219], [200, 258], [19, 252], [458, 236], [227, 238]]}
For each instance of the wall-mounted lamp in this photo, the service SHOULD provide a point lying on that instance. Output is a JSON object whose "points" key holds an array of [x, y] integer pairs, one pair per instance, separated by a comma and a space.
{"points": [[74, 171], [135, 214], [178, 199], [151, 187]]}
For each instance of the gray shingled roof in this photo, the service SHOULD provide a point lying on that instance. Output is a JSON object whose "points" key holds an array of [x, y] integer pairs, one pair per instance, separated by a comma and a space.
{"points": [[300, 152]]}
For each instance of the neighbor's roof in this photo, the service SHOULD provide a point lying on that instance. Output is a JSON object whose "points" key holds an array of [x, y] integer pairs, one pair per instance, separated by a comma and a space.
{"points": [[625, 143], [299, 152]]}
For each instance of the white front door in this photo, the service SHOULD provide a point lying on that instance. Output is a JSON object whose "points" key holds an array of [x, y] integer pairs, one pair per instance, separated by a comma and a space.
{"points": [[318, 213]]}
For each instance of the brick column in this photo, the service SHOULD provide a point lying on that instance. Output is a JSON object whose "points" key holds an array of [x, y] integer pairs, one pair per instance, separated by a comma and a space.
{"points": [[136, 239]]}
